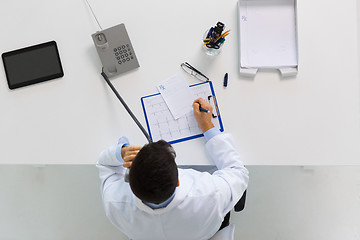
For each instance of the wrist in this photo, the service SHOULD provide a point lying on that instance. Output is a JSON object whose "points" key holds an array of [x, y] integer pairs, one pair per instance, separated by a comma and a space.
{"points": [[123, 141], [209, 134], [206, 127]]}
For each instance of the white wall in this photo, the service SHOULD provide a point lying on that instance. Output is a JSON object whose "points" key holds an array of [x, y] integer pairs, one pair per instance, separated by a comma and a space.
{"points": [[283, 203]]}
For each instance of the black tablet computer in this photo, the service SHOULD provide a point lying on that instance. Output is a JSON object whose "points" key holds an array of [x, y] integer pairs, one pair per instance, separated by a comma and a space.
{"points": [[33, 64]]}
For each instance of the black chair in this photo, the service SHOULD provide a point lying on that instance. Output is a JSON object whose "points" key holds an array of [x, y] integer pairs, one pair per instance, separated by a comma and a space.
{"points": [[240, 205], [227, 230]]}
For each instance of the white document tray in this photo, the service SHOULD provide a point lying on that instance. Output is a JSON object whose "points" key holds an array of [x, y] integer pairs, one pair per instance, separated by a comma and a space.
{"points": [[267, 36]]}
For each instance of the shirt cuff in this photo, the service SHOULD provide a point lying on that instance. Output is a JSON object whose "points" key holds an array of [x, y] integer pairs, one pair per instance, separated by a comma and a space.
{"points": [[123, 141], [212, 132]]}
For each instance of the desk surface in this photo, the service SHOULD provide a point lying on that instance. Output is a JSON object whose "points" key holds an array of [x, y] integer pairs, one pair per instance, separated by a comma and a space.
{"points": [[311, 119]]}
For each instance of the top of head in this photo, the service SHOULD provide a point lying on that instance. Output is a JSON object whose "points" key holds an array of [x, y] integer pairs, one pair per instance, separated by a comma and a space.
{"points": [[153, 173]]}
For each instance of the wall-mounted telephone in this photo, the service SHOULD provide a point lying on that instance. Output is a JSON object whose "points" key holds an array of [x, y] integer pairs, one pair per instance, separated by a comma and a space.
{"points": [[115, 50]]}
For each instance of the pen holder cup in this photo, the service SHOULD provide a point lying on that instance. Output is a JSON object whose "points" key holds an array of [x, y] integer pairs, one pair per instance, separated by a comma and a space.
{"points": [[211, 50]]}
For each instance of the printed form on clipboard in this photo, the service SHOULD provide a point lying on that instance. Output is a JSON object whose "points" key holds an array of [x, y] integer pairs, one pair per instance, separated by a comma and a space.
{"points": [[162, 125]]}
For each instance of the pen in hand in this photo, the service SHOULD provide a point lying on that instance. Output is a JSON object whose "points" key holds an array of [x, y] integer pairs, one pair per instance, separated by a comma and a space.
{"points": [[204, 120], [203, 110]]}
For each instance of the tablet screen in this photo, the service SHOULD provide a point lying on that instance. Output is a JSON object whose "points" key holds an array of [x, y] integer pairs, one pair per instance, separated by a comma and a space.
{"points": [[32, 65]]}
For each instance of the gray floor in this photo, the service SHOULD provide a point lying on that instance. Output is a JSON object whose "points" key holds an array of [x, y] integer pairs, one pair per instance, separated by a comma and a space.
{"points": [[63, 203]]}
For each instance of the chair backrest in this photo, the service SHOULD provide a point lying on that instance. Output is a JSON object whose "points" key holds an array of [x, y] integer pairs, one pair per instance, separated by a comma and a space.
{"points": [[240, 205], [227, 233]]}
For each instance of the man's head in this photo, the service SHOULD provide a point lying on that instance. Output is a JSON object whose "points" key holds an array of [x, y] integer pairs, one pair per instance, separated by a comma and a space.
{"points": [[153, 174]]}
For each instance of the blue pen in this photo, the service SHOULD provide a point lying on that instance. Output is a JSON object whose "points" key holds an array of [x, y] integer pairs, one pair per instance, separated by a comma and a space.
{"points": [[226, 80], [203, 110], [210, 33]]}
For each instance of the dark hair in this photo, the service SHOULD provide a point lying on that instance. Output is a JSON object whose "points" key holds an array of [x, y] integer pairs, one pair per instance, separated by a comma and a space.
{"points": [[153, 174]]}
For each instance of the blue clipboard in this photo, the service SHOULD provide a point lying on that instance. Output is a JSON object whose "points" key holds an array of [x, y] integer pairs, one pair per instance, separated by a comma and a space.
{"points": [[161, 124]]}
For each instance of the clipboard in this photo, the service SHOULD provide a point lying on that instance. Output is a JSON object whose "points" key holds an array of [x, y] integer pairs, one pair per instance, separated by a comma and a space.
{"points": [[161, 124]]}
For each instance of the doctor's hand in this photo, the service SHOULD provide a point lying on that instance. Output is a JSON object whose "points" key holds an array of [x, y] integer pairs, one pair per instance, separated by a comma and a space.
{"points": [[203, 118], [128, 153]]}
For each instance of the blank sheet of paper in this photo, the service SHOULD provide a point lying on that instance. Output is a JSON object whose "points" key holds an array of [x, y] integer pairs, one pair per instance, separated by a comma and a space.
{"points": [[177, 95], [162, 125], [268, 34]]}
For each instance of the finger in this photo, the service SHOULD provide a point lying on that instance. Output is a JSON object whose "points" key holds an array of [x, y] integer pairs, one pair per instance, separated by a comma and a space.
{"points": [[129, 157], [204, 104], [197, 103], [132, 152], [127, 164], [196, 107], [198, 100], [130, 149], [133, 148], [201, 102]]}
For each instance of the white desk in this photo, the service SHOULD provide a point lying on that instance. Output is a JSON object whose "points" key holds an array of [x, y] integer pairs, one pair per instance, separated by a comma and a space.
{"points": [[312, 119]]}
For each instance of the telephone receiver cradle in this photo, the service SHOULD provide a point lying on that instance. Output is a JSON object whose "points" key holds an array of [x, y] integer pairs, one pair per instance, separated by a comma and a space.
{"points": [[115, 50]]}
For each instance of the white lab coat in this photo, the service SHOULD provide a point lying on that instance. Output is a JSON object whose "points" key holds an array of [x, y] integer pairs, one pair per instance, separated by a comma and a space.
{"points": [[198, 208]]}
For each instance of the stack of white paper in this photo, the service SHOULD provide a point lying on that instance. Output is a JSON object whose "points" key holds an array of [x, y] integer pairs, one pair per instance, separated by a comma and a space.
{"points": [[177, 95], [268, 34]]}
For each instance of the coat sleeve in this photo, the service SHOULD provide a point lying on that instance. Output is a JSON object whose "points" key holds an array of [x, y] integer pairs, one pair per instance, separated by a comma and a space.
{"points": [[231, 178], [110, 164]]}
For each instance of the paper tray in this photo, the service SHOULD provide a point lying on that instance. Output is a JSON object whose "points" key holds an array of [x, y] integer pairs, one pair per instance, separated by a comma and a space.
{"points": [[268, 36]]}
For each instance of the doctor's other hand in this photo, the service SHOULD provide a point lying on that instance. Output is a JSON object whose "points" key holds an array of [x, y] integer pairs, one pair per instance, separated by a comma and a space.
{"points": [[128, 153], [203, 118]]}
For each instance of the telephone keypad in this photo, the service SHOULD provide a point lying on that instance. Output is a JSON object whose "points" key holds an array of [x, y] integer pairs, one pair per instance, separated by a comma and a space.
{"points": [[123, 54]]}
